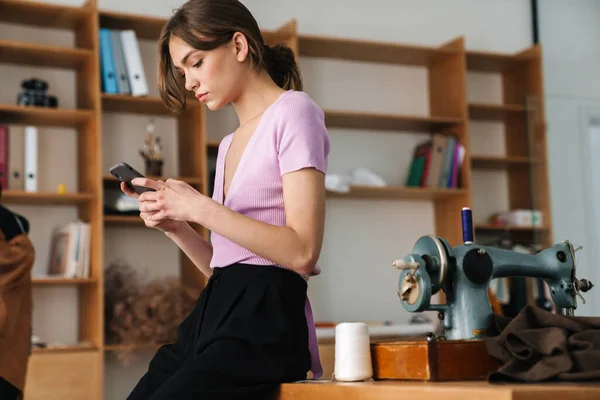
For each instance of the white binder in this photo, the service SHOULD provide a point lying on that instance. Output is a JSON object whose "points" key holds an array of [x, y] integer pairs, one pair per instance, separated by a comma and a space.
{"points": [[133, 63], [31, 158]]}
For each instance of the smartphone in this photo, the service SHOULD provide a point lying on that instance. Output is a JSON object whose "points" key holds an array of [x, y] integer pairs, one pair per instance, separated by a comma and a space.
{"points": [[126, 173]]}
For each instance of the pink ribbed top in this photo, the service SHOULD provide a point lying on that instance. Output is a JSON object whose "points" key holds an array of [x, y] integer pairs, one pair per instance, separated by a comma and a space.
{"points": [[291, 135]]}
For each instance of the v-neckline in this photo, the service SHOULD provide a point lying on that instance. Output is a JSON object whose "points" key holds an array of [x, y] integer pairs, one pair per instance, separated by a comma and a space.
{"points": [[245, 152]]}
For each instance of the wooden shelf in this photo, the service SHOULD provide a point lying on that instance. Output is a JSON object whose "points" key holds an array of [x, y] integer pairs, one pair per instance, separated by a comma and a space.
{"points": [[134, 346], [43, 14], [123, 220], [132, 104], [44, 115], [59, 281], [388, 122], [75, 348], [45, 198], [495, 62], [396, 192], [371, 51], [494, 112], [189, 179], [12, 52], [495, 162], [145, 26], [498, 228]]}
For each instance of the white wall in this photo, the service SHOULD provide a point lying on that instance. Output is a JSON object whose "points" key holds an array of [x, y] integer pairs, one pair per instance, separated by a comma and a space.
{"points": [[362, 237], [570, 38]]}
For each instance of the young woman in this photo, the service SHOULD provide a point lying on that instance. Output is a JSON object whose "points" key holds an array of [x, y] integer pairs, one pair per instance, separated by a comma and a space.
{"points": [[252, 327]]}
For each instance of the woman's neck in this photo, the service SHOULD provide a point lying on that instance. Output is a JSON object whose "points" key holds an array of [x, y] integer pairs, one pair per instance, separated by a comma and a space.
{"points": [[258, 94]]}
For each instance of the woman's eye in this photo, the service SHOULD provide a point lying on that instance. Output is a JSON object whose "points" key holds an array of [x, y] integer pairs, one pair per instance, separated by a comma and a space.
{"points": [[198, 63]]}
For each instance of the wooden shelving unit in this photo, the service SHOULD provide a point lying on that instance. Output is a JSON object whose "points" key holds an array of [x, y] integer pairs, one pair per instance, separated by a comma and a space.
{"points": [[42, 55], [483, 61], [52, 281], [129, 347], [48, 366], [372, 51], [45, 116], [76, 348], [192, 180], [44, 14], [123, 220], [146, 27], [499, 228], [387, 122], [49, 198], [399, 193], [495, 112], [521, 111], [446, 65], [495, 162]]}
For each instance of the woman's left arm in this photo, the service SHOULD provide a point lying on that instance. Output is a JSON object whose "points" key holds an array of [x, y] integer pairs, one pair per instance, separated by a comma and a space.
{"points": [[298, 244], [295, 246]]}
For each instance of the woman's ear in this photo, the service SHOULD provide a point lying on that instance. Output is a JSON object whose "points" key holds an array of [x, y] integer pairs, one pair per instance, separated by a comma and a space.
{"points": [[240, 44]]}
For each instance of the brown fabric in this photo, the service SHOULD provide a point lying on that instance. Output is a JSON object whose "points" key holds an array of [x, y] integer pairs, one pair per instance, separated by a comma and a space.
{"points": [[16, 261], [538, 346]]}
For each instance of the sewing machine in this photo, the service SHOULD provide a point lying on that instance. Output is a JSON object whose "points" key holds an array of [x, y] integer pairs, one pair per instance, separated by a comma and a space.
{"points": [[464, 273]]}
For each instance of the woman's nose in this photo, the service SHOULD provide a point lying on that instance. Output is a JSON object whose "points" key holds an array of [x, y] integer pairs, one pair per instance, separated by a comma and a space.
{"points": [[190, 83]]}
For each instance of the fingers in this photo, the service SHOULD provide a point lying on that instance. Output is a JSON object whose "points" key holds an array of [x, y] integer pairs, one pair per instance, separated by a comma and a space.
{"points": [[155, 217], [127, 190], [149, 206], [174, 182], [157, 185], [150, 219]]}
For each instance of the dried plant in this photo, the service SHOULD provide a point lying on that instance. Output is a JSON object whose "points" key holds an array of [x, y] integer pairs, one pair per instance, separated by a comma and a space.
{"points": [[142, 314]]}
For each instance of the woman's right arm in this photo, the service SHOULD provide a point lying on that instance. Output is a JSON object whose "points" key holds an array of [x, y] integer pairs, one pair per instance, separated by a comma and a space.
{"points": [[193, 245], [188, 240]]}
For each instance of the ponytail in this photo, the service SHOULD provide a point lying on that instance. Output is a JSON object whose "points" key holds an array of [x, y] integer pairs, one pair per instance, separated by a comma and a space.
{"points": [[280, 62]]}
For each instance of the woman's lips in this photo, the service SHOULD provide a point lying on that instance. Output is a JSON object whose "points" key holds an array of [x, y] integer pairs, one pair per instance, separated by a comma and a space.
{"points": [[201, 96]]}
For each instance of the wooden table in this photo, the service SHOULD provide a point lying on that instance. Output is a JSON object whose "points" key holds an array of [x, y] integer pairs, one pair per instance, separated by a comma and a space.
{"points": [[409, 390]]}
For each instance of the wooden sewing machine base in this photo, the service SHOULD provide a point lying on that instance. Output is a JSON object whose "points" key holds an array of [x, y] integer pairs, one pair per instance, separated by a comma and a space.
{"points": [[435, 360]]}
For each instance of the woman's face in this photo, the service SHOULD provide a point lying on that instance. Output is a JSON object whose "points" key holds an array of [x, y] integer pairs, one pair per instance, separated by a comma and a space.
{"points": [[215, 77]]}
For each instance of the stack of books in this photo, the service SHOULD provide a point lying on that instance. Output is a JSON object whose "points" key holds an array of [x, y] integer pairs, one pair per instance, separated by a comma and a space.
{"points": [[436, 163]]}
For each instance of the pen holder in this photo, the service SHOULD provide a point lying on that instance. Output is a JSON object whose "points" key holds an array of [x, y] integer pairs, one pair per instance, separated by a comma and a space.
{"points": [[154, 167]]}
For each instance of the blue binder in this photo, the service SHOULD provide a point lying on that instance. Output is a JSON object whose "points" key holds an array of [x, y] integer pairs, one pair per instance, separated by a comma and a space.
{"points": [[107, 62]]}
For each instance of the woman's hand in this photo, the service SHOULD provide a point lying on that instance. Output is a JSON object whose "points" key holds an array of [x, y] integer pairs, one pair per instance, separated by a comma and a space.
{"points": [[127, 190], [173, 200], [165, 224]]}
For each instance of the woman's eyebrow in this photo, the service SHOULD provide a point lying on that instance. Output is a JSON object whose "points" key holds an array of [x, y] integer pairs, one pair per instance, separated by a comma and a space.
{"points": [[185, 58]]}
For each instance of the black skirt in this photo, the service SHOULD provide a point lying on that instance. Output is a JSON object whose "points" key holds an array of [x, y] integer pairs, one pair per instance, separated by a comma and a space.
{"points": [[246, 335]]}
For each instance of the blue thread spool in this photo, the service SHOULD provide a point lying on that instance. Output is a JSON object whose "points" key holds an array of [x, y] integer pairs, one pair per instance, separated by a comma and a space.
{"points": [[467, 225]]}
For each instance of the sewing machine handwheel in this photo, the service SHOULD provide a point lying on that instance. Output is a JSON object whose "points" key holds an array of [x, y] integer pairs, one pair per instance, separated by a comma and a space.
{"points": [[438, 252], [418, 298]]}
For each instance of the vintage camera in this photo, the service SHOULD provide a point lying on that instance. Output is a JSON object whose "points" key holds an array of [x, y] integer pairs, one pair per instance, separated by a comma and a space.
{"points": [[34, 94]]}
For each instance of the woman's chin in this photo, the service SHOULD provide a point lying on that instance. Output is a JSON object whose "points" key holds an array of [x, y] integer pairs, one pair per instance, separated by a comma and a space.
{"points": [[213, 105]]}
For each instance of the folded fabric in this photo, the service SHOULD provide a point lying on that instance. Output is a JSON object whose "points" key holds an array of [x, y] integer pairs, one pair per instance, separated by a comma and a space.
{"points": [[538, 345]]}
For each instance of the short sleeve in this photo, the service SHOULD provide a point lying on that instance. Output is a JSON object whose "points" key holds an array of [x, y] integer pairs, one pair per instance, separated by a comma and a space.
{"points": [[303, 138]]}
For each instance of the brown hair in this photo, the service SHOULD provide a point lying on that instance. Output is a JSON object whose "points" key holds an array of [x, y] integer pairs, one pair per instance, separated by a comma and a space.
{"points": [[208, 24]]}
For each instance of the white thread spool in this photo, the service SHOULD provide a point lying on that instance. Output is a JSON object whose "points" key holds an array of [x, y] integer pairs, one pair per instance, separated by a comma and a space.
{"points": [[352, 352]]}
